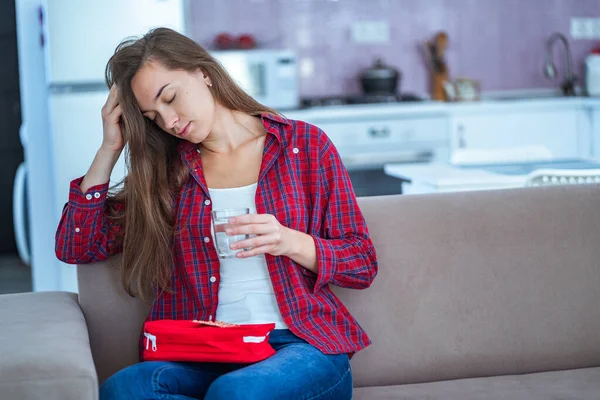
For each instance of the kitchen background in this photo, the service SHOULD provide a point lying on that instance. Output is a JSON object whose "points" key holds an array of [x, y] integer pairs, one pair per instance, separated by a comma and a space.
{"points": [[499, 43], [14, 276]]}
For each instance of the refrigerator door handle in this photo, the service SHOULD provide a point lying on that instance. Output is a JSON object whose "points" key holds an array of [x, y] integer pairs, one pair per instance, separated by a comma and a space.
{"points": [[19, 217]]}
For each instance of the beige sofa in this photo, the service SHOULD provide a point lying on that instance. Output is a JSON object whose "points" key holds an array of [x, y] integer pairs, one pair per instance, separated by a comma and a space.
{"points": [[480, 295]]}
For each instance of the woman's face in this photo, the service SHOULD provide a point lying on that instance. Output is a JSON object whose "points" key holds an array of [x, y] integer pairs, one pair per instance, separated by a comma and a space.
{"points": [[179, 102]]}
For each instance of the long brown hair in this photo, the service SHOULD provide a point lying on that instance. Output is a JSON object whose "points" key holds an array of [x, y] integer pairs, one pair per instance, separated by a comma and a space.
{"points": [[143, 205]]}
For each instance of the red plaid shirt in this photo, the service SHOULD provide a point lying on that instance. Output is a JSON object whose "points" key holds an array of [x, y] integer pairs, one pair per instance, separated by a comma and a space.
{"points": [[304, 184]]}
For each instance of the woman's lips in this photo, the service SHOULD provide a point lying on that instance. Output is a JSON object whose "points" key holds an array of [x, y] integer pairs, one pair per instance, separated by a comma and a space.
{"points": [[185, 130]]}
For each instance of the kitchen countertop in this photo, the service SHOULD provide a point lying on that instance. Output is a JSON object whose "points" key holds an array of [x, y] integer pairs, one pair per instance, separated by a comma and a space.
{"points": [[429, 108], [357, 111], [442, 177]]}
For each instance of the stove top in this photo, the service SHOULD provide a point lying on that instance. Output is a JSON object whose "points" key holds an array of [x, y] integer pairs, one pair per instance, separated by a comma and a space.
{"points": [[310, 102]]}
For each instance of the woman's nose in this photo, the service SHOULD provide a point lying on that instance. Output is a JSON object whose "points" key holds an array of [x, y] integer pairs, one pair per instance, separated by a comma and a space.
{"points": [[171, 120]]}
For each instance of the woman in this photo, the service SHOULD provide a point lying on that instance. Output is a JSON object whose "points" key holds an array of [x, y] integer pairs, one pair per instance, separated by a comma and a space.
{"points": [[195, 142]]}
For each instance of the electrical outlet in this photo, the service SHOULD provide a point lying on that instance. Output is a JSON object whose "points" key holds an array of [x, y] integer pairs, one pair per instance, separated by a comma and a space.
{"points": [[595, 28], [371, 32], [578, 31], [585, 28]]}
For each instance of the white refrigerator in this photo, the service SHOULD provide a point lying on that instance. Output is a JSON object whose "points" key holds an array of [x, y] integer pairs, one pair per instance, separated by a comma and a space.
{"points": [[64, 46]]}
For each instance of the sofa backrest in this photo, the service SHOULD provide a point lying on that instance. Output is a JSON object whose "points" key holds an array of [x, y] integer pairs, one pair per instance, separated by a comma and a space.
{"points": [[470, 284], [479, 284], [114, 318]]}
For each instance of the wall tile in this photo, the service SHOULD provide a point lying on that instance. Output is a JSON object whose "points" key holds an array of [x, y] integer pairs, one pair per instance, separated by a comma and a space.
{"points": [[499, 42]]}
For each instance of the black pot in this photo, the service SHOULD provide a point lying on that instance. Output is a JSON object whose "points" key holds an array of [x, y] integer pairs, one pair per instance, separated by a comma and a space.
{"points": [[380, 79]]}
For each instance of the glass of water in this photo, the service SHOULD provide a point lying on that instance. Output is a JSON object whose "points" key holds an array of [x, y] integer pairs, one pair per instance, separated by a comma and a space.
{"points": [[220, 220]]}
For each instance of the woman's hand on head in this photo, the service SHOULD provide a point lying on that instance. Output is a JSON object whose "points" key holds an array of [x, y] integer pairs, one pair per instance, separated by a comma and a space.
{"points": [[111, 117]]}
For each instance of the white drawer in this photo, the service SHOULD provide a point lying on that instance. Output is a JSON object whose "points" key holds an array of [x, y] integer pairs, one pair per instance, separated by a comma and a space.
{"points": [[386, 132]]}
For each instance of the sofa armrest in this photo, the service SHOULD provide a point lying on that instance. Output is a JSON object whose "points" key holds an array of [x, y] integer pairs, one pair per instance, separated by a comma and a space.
{"points": [[44, 348]]}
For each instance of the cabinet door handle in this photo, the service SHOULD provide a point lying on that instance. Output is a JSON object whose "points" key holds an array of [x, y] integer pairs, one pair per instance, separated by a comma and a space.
{"points": [[379, 133], [462, 142], [408, 135]]}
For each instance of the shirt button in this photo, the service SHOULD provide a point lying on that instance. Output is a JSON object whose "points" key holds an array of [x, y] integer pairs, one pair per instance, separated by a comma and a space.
{"points": [[296, 151], [77, 230], [210, 317], [97, 195], [88, 196], [206, 239], [213, 279], [207, 202]]}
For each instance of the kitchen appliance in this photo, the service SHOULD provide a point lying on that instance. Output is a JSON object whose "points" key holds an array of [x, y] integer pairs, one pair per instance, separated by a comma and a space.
{"points": [[328, 101], [380, 79], [64, 46], [270, 76], [592, 75]]}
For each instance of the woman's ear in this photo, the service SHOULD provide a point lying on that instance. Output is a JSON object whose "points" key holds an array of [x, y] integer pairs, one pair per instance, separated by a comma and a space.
{"points": [[205, 77]]}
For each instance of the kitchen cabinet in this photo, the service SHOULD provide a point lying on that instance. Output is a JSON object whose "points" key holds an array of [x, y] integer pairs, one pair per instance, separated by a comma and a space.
{"points": [[567, 127], [594, 111], [379, 141], [368, 137], [564, 131]]}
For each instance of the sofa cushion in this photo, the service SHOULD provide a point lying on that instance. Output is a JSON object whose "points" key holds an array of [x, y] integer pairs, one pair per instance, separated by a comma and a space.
{"points": [[574, 384], [480, 284], [44, 348]]}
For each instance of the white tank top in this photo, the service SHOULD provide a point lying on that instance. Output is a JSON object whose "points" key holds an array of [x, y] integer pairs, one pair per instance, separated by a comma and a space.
{"points": [[246, 293]]}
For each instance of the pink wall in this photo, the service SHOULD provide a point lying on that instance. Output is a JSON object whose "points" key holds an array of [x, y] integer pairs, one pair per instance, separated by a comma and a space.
{"points": [[500, 42]]}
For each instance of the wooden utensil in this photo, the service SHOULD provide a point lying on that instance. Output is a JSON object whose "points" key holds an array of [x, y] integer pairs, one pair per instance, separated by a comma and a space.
{"points": [[440, 72], [425, 49]]}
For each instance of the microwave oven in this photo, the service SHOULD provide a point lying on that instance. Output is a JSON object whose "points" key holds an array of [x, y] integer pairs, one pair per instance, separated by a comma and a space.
{"points": [[270, 76]]}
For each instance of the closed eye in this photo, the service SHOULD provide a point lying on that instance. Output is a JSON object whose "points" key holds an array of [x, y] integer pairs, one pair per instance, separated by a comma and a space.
{"points": [[168, 102]]}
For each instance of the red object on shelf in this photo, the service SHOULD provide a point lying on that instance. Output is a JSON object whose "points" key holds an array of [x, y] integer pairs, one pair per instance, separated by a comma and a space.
{"points": [[224, 41], [246, 42]]}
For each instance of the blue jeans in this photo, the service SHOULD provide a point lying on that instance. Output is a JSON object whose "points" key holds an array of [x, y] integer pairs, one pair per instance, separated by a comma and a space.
{"points": [[297, 371]]}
